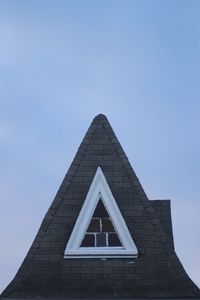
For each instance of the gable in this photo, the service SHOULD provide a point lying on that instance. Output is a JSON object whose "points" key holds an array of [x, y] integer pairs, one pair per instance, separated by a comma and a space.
{"points": [[155, 273]]}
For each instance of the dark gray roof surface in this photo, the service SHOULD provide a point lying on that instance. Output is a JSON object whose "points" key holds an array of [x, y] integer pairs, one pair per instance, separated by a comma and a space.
{"points": [[99, 298], [156, 273]]}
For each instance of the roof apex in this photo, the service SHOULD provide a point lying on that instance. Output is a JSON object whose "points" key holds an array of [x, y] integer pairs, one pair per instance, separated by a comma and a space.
{"points": [[100, 117]]}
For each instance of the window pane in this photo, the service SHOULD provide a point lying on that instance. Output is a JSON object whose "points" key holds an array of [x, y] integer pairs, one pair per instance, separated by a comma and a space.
{"points": [[100, 211], [113, 240], [88, 241], [94, 226], [107, 225], [101, 240]]}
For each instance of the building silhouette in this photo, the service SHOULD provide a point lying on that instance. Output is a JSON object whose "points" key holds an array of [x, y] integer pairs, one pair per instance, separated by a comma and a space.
{"points": [[102, 237]]}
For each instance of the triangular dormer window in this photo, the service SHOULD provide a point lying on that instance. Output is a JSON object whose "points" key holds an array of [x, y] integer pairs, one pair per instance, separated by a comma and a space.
{"points": [[100, 230]]}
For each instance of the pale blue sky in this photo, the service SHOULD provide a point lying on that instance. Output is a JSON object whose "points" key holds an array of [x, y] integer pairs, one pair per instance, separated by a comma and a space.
{"points": [[62, 63]]}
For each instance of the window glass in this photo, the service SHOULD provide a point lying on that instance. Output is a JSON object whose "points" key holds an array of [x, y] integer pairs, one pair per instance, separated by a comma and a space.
{"points": [[101, 232]]}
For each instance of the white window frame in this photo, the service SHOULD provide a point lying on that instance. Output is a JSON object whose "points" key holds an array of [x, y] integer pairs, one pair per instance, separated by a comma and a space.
{"points": [[100, 189]]}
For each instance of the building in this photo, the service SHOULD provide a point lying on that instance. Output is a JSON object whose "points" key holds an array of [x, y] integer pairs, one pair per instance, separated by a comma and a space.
{"points": [[102, 237]]}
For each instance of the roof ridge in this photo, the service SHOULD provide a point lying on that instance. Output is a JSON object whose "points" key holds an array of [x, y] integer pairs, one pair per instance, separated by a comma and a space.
{"points": [[100, 117]]}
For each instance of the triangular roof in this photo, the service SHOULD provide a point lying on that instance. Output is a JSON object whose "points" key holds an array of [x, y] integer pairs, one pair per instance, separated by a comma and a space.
{"points": [[156, 272]]}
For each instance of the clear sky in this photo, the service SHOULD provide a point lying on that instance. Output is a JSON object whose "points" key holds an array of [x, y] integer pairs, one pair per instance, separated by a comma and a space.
{"points": [[62, 63]]}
